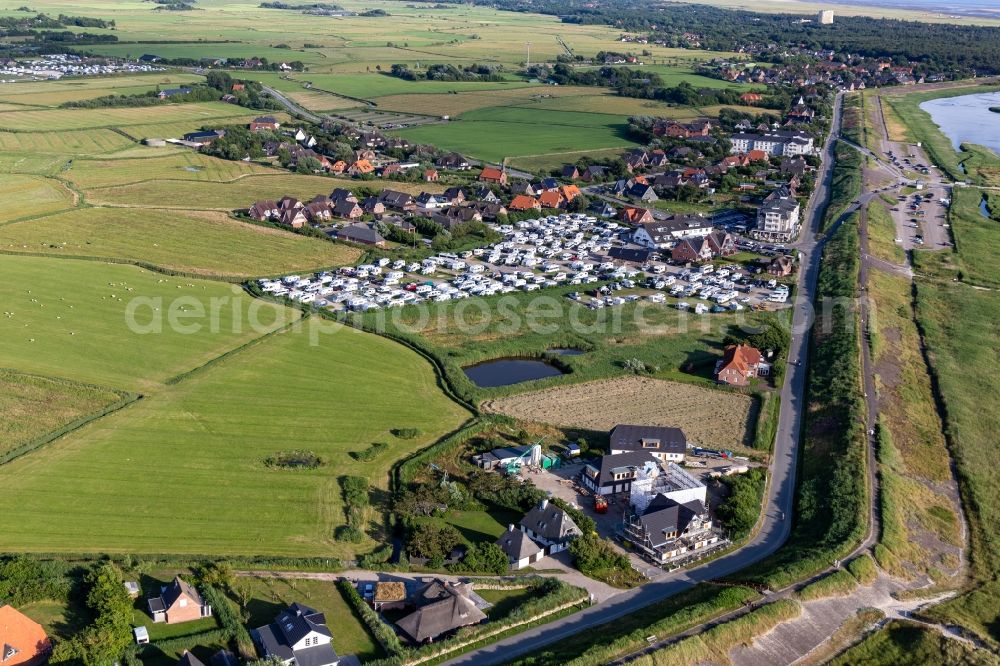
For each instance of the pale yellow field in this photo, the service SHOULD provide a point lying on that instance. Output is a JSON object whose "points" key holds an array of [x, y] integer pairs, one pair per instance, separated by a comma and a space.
{"points": [[79, 142], [440, 104], [320, 101], [708, 417], [185, 165], [71, 119], [25, 196]]}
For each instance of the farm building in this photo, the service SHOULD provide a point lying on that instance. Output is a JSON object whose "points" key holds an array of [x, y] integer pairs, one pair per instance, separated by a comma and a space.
{"points": [[510, 458]]}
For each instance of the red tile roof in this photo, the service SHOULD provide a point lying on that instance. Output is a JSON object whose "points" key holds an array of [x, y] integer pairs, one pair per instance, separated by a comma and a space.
{"points": [[23, 635]]}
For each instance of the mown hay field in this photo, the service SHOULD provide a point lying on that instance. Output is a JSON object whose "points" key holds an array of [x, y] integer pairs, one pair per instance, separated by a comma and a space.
{"points": [[193, 241], [79, 142], [708, 417], [69, 319], [26, 196], [185, 165], [454, 104], [370, 86], [204, 440], [75, 119], [31, 406], [240, 193], [88, 88], [320, 101], [496, 133]]}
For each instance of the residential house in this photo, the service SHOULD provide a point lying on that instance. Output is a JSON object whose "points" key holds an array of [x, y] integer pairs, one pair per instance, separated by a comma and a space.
{"points": [[441, 609], [666, 444], [360, 168], [523, 187], [519, 548], [453, 161], [299, 636], [740, 364], [703, 248], [430, 175], [366, 154], [633, 215], [264, 210], [488, 209], [667, 530], [551, 199], [293, 218], [781, 266], [657, 158], [347, 209], [342, 194], [188, 659], [454, 195], [428, 201], [318, 211], [663, 234], [643, 192], [22, 640], [363, 234], [289, 203], [594, 173], [523, 202], [751, 98], [496, 175], [484, 193], [269, 123], [547, 185], [569, 192], [550, 526], [178, 602], [602, 208], [570, 172], [615, 473], [400, 201], [338, 167], [373, 206]]}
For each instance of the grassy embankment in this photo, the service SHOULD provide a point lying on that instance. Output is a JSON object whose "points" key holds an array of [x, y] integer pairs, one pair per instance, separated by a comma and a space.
{"points": [[972, 162], [882, 234]]}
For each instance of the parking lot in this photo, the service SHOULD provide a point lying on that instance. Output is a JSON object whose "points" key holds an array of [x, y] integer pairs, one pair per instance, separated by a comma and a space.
{"points": [[534, 255], [921, 218]]}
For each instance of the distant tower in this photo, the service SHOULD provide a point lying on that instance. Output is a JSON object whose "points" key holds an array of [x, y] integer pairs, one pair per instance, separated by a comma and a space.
{"points": [[825, 17]]}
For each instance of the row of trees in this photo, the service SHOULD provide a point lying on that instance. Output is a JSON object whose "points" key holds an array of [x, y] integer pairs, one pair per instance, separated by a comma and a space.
{"points": [[448, 72]]}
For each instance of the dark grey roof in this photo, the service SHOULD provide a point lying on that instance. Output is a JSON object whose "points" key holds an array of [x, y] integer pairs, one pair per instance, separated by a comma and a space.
{"points": [[290, 627], [550, 522], [224, 658], [173, 591], [188, 659], [656, 439], [517, 545], [360, 233], [631, 460], [627, 254], [664, 515], [395, 199]]}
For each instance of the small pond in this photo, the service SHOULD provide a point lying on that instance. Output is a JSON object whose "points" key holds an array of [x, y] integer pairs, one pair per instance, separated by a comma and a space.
{"points": [[967, 119], [566, 351], [507, 371]]}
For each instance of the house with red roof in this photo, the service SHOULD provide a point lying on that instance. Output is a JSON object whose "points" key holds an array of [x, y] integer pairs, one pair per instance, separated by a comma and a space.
{"points": [[22, 640], [523, 202], [633, 215], [493, 175], [740, 364]]}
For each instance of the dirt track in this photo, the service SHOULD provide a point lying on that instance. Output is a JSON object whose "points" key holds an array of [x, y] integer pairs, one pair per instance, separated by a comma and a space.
{"points": [[707, 417]]}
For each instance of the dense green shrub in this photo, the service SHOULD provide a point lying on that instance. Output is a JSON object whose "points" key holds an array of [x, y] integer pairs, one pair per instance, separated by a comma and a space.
{"points": [[740, 510]]}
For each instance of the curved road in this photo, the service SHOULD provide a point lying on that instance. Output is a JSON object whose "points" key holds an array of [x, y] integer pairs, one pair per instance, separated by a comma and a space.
{"points": [[775, 519]]}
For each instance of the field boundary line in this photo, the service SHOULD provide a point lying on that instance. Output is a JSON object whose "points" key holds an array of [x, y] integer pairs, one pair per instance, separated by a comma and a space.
{"points": [[77, 423], [187, 374]]}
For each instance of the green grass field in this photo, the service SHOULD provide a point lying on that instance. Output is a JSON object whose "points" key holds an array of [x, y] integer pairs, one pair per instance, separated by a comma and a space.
{"points": [[76, 119], [183, 241], [79, 142], [27, 196], [184, 467], [67, 319], [373, 86], [229, 196], [524, 132], [32, 406], [182, 165]]}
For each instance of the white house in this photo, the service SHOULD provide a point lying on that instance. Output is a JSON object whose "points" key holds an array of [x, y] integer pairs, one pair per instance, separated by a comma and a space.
{"points": [[298, 636], [550, 526], [663, 234]]}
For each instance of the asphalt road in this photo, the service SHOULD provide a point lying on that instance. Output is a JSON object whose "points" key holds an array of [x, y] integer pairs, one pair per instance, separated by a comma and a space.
{"points": [[775, 522]]}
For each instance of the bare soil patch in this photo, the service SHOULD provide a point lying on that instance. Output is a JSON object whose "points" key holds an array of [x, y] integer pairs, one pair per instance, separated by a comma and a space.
{"points": [[708, 417]]}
